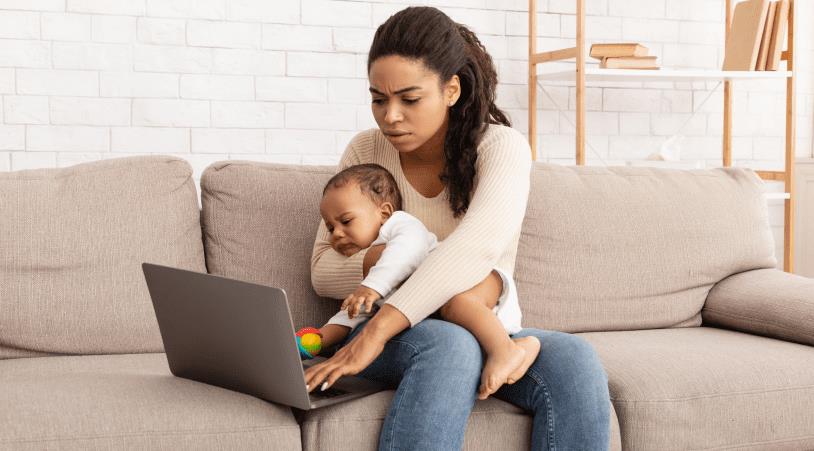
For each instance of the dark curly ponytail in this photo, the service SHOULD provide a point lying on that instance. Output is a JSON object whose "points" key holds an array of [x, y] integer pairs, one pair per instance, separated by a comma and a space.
{"points": [[448, 48]]}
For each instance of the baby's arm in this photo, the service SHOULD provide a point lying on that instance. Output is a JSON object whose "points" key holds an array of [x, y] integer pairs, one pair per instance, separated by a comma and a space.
{"points": [[408, 244], [333, 334], [343, 321]]}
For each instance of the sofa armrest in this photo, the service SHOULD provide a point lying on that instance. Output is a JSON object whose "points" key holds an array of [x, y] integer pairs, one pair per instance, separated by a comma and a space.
{"points": [[765, 302]]}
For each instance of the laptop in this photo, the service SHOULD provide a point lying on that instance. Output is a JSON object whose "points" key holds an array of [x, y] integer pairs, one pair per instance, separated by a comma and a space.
{"points": [[238, 335]]}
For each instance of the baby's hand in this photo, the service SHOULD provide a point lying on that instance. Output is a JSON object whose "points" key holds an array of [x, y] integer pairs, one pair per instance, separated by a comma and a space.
{"points": [[362, 296]]}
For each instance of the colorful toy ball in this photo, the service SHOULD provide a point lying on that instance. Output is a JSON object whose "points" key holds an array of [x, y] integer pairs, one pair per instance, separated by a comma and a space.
{"points": [[309, 341]]}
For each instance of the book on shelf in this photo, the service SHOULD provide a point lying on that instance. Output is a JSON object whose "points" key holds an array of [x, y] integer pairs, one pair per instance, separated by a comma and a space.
{"points": [[743, 43], [767, 37], [611, 50], [781, 20], [629, 62]]}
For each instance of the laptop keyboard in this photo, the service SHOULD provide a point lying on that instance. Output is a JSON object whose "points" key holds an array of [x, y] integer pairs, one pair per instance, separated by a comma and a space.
{"points": [[329, 393]]}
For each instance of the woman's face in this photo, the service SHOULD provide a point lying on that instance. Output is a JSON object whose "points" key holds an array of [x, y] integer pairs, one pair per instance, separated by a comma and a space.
{"points": [[409, 103]]}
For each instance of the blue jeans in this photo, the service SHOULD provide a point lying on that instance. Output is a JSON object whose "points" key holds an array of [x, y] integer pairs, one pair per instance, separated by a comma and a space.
{"points": [[436, 366]]}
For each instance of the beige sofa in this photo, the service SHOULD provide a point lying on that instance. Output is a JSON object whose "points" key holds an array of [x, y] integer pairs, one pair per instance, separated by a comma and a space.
{"points": [[668, 274]]}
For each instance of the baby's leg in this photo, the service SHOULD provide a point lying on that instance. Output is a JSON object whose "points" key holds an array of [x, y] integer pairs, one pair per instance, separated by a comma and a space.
{"points": [[507, 360]]}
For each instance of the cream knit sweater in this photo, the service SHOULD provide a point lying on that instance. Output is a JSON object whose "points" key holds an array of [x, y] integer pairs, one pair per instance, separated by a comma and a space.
{"points": [[471, 246]]}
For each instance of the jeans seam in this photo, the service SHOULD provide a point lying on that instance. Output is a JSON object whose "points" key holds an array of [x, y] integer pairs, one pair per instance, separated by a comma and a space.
{"points": [[395, 412], [540, 380], [401, 398], [415, 349]]}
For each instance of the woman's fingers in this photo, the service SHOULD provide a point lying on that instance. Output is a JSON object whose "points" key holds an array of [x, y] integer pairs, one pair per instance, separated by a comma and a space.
{"points": [[348, 360], [310, 374], [333, 376], [327, 374], [318, 376]]}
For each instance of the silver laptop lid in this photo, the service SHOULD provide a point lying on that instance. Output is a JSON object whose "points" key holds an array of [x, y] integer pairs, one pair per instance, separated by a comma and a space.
{"points": [[225, 332]]}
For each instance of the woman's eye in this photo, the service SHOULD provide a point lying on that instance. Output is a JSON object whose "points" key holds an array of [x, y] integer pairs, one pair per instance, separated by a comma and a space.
{"points": [[410, 101], [378, 101]]}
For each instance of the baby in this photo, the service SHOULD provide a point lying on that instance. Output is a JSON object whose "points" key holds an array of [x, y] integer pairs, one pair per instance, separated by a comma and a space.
{"points": [[361, 207]]}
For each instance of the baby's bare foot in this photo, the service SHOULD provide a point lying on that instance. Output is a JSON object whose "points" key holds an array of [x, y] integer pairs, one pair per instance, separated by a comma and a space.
{"points": [[498, 367], [532, 347]]}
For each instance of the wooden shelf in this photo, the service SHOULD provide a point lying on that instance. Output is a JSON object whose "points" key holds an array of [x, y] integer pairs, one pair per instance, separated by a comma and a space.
{"points": [[675, 75]]}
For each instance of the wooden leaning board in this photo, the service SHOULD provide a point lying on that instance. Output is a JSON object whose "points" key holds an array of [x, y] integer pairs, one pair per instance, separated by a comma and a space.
{"points": [[781, 22], [743, 43], [767, 37], [757, 35]]}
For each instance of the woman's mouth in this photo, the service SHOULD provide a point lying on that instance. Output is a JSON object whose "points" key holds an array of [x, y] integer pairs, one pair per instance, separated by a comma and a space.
{"points": [[396, 137]]}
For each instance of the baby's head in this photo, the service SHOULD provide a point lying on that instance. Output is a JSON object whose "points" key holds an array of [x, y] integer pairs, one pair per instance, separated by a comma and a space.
{"points": [[355, 204]]}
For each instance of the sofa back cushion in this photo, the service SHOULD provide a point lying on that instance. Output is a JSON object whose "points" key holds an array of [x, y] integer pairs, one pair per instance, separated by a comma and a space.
{"points": [[73, 241], [260, 221], [621, 248], [601, 249]]}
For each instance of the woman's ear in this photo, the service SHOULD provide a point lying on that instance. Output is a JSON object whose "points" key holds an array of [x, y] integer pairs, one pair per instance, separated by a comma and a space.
{"points": [[386, 210], [452, 90]]}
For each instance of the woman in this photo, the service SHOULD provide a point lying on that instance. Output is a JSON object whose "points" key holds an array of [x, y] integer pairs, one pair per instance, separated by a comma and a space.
{"points": [[465, 174]]}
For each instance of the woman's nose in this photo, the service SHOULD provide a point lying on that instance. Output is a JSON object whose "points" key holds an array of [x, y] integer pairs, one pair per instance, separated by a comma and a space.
{"points": [[392, 115]]}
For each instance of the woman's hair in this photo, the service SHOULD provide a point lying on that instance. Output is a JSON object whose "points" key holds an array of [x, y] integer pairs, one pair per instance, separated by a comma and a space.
{"points": [[448, 48], [376, 182]]}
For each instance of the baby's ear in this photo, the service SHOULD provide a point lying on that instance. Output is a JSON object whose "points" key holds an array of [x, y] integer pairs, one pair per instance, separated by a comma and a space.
{"points": [[386, 210]]}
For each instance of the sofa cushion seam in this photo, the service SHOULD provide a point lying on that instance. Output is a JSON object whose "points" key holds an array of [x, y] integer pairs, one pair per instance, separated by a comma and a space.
{"points": [[152, 160], [715, 395], [281, 168], [740, 445], [151, 433], [750, 318], [338, 420]]}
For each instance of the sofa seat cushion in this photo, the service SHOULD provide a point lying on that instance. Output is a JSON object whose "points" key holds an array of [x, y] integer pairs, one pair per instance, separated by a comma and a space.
{"points": [[702, 387], [355, 426], [130, 402]]}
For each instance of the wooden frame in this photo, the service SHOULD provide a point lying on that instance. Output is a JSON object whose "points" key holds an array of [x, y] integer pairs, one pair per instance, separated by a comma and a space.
{"points": [[578, 52]]}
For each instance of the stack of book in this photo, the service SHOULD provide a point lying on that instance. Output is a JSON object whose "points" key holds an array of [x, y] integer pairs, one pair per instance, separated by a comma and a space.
{"points": [[626, 55], [757, 35]]}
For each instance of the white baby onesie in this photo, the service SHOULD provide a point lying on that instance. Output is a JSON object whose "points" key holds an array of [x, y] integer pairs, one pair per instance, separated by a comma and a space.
{"points": [[408, 242]]}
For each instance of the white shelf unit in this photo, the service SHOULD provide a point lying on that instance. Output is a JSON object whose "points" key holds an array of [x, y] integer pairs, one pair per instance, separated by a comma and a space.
{"points": [[661, 75]]}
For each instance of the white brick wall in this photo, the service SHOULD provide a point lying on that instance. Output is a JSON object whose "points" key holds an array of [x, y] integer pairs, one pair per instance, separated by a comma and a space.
{"points": [[285, 81]]}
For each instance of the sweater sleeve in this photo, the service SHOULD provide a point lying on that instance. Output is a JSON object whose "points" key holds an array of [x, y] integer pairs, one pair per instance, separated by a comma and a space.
{"points": [[408, 244], [493, 219], [334, 275]]}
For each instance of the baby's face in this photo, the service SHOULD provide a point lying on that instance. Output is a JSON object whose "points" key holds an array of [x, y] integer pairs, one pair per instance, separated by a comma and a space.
{"points": [[352, 218]]}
